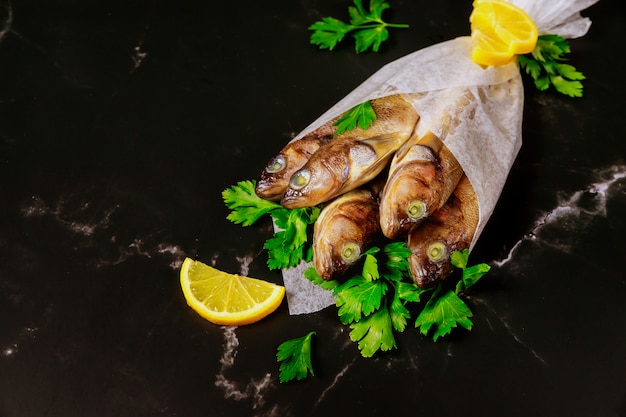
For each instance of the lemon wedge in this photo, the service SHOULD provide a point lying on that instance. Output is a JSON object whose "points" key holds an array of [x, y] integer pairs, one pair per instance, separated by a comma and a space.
{"points": [[500, 30], [227, 299]]}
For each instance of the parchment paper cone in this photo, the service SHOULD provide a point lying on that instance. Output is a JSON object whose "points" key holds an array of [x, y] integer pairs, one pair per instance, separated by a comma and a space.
{"points": [[476, 111]]}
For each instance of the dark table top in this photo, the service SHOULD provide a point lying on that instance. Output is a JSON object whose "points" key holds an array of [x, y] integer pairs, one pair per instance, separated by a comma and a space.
{"points": [[122, 122]]}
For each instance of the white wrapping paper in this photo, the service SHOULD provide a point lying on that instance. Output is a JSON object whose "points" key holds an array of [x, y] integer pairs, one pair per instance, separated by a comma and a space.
{"points": [[477, 112]]}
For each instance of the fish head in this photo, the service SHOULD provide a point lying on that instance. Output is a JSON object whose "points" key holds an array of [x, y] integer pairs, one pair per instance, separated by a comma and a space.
{"points": [[408, 196], [334, 258], [429, 261], [340, 238], [315, 183], [344, 228], [404, 204], [274, 179]]}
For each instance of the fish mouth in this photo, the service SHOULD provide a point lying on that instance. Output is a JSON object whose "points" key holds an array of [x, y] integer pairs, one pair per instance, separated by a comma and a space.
{"points": [[394, 226], [292, 200], [426, 272], [327, 264], [269, 189], [350, 252], [416, 210], [421, 277]]}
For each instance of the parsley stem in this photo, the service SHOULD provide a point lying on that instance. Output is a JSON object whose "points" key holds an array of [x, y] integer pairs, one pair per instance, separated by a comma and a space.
{"points": [[436, 292], [381, 23]]}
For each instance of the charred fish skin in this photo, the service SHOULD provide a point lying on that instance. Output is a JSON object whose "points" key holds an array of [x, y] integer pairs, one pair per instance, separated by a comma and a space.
{"points": [[450, 228], [274, 179], [354, 157], [343, 230], [422, 176]]}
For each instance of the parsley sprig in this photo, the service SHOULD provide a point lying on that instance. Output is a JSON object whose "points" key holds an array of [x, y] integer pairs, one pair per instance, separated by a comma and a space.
{"points": [[445, 311], [290, 245], [545, 64], [361, 115], [295, 358], [367, 28]]}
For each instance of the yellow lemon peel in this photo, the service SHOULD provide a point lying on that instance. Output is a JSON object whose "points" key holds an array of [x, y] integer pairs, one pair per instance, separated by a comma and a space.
{"points": [[227, 299], [500, 31]]}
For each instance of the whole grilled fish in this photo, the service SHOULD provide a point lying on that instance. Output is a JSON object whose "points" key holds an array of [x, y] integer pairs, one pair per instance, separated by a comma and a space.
{"points": [[354, 157], [448, 229], [275, 177], [422, 176], [343, 230]]}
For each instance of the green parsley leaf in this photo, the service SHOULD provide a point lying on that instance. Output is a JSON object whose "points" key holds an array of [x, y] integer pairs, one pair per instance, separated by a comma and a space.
{"points": [[359, 297], [459, 258], [443, 313], [361, 115], [470, 274], [545, 66], [567, 87], [287, 247], [396, 264], [328, 32], [398, 312], [371, 38], [295, 355], [373, 303], [408, 291], [372, 251], [359, 16], [280, 252], [374, 333], [246, 206], [312, 275], [368, 28], [370, 268]]}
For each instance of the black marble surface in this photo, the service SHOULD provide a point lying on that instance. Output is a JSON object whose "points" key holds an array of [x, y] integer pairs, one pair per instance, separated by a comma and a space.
{"points": [[120, 124]]}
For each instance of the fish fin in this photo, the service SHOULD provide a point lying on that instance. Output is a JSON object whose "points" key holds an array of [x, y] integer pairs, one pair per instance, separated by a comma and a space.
{"points": [[432, 141], [385, 143], [366, 151], [408, 144]]}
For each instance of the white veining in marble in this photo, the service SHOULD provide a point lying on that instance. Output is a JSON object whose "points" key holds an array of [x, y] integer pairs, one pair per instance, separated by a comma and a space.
{"points": [[571, 207], [255, 390], [244, 264], [65, 215], [85, 222], [588, 202], [335, 380], [7, 25], [139, 55], [510, 330], [26, 334]]}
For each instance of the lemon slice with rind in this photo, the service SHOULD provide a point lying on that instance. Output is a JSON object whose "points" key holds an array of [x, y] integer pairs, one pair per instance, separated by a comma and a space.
{"points": [[227, 299], [500, 31]]}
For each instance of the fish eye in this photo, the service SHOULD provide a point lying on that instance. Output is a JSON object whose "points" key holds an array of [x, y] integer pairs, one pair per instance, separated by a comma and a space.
{"points": [[350, 252], [436, 251], [276, 165], [300, 179], [416, 209]]}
